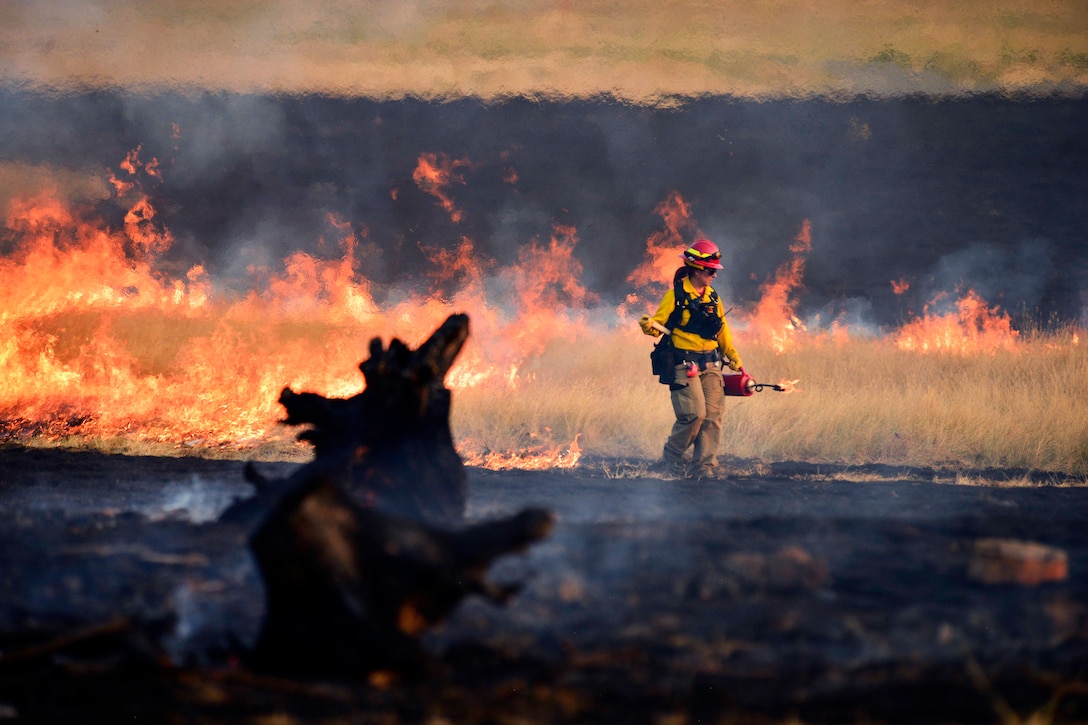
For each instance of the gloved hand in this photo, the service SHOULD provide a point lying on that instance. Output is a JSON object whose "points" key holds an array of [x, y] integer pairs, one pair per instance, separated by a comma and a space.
{"points": [[735, 365], [645, 323]]}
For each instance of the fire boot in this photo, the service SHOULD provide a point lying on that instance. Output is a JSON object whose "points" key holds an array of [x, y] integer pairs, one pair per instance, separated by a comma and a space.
{"points": [[703, 473], [669, 467]]}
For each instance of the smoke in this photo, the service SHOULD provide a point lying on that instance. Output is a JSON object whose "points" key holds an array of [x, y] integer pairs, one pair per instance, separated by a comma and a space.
{"points": [[198, 500], [195, 499], [977, 193], [275, 123], [19, 179], [1020, 273]]}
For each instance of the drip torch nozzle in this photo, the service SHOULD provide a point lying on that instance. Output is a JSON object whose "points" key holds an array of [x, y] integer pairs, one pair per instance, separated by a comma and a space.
{"points": [[744, 385]]}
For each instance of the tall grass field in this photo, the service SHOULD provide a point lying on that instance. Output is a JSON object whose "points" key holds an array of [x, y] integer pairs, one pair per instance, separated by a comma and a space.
{"points": [[862, 401], [856, 402], [637, 50]]}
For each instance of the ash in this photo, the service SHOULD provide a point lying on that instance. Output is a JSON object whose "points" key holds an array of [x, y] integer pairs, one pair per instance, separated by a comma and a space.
{"points": [[769, 597]]}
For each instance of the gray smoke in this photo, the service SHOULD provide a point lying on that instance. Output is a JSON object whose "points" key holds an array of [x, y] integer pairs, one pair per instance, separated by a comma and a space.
{"points": [[977, 192], [1018, 274]]}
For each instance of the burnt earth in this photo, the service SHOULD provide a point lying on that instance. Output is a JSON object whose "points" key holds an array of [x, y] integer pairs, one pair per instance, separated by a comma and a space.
{"points": [[746, 599]]}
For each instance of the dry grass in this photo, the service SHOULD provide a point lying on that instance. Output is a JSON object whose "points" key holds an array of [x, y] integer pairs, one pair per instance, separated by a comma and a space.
{"points": [[859, 403], [862, 402], [638, 49]]}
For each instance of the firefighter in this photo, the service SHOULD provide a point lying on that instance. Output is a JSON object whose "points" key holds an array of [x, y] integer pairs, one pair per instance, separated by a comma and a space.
{"points": [[701, 344]]}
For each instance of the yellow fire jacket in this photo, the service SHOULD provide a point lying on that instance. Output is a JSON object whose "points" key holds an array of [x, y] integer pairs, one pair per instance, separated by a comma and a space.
{"points": [[687, 340]]}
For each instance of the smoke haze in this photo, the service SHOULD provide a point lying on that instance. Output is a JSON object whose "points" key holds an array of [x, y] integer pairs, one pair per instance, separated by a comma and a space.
{"points": [[980, 192], [937, 145]]}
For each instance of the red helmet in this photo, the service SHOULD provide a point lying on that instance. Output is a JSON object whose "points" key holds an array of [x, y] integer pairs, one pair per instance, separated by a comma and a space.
{"points": [[703, 254]]}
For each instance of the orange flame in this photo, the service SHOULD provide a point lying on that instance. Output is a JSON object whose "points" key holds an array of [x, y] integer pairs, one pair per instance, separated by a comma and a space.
{"points": [[539, 458], [662, 255], [773, 321], [663, 247], [98, 342], [972, 329], [434, 174], [789, 386]]}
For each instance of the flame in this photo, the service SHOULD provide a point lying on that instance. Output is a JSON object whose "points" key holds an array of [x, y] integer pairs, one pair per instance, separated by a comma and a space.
{"points": [[663, 247], [539, 458], [972, 329], [98, 341], [546, 280], [789, 386], [773, 321], [132, 165], [434, 174]]}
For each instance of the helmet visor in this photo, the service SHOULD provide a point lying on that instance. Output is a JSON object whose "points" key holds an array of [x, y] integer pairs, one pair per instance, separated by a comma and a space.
{"points": [[710, 261]]}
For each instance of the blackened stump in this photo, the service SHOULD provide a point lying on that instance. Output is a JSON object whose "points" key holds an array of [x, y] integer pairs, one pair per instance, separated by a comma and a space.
{"points": [[361, 552], [349, 589], [390, 446]]}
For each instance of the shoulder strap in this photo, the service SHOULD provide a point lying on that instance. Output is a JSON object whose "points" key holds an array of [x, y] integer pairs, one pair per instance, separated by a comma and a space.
{"points": [[680, 298]]}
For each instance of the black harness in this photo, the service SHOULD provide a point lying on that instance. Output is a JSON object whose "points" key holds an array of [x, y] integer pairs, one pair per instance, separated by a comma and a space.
{"points": [[703, 320]]}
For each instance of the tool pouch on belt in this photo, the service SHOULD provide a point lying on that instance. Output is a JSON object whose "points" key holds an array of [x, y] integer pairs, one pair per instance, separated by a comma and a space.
{"points": [[662, 360]]}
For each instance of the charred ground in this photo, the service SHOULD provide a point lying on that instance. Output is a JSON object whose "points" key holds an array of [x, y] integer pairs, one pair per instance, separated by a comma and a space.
{"points": [[746, 599]]}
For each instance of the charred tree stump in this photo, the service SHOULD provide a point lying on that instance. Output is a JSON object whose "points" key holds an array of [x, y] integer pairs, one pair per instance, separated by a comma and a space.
{"points": [[362, 550], [390, 446], [350, 589]]}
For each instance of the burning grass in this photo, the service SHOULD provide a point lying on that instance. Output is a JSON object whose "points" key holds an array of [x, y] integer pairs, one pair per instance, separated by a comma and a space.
{"points": [[860, 402], [863, 401], [101, 348], [993, 416]]}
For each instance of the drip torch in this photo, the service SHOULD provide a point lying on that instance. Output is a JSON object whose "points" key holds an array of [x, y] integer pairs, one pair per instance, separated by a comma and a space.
{"points": [[744, 384], [741, 384]]}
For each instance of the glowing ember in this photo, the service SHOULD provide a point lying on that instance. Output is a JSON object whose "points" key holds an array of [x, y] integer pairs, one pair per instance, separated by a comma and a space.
{"points": [[526, 460]]}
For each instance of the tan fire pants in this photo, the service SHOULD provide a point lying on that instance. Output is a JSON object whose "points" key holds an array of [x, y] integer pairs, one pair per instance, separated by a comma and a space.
{"points": [[698, 403]]}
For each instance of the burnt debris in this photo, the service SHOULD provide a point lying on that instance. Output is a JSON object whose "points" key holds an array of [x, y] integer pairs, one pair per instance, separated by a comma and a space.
{"points": [[366, 546], [390, 446]]}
